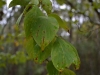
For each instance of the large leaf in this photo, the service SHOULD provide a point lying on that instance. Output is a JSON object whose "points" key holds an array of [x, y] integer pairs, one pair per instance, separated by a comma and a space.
{"points": [[39, 55], [30, 19], [62, 24], [47, 5], [19, 2], [63, 55], [77, 63], [44, 30], [67, 72], [51, 69]]}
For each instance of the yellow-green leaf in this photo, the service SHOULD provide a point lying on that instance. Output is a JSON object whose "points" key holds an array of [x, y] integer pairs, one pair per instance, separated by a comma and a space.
{"points": [[2, 3]]}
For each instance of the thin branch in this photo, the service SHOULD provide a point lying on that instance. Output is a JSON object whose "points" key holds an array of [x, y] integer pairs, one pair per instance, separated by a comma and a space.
{"points": [[91, 1], [95, 9]]}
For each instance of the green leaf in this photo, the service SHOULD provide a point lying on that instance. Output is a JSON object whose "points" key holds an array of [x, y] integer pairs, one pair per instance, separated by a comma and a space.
{"points": [[77, 63], [2, 3], [19, 2], [39, 55], [51, 69], [13, 59], [67, 72], [29, 45], [96, 5], [35, 52], [35, 2], [47, 5], [20, 57], [3, 65], [61, 1], [62, 24], [64, 55], [44, 30], [30, 19], [19, 19]]}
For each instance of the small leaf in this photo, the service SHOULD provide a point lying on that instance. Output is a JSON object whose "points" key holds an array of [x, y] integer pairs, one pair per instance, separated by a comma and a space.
{"points": [[19, 19], [51, 69], [39, 55], [44, 30], [30, 19], [35, 2], [62, 24], [47, 5], [64, 55], [19, 2], [13, 59], [61, 1], [96, 5], [21, 57], [2, 3], [3, 65], [67, 72]]}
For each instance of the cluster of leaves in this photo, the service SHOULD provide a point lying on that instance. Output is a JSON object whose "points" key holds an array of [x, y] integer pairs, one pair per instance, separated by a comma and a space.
{"points": [[18, 55], [42, 40], [17, 58]]}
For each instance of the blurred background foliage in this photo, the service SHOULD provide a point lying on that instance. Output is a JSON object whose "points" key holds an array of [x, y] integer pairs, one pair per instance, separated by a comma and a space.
{"points": [[81, 16]]}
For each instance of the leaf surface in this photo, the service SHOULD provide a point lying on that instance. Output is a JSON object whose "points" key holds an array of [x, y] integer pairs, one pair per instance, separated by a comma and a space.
{"points": [[44, 30], [30, 19]]}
